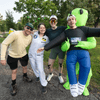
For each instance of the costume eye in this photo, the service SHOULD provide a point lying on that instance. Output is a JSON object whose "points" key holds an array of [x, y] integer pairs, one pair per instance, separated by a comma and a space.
{"points": [[81, 11]]}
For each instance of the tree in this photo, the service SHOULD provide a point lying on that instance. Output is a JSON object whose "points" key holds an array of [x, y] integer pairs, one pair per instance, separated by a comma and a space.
{"points": [[3, 26], [9, 20], [19, 26], [40, 10], [65, 6], [95, 8], [1, 17], [36, 11]]}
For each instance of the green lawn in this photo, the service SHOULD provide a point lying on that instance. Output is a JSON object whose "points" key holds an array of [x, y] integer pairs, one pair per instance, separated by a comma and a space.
{"points": [[95, 63]]}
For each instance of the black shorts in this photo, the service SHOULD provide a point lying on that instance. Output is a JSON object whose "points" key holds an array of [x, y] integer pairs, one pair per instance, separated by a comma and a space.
{"points": [[57, 51], [13, 62]]}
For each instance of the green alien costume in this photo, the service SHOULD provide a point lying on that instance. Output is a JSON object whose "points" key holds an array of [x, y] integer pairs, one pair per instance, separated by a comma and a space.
{"points": [[81, 17]]}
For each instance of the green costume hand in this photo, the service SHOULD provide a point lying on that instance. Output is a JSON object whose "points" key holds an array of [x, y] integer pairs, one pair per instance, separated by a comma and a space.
{"points": [[65, 45], [89, 44]]}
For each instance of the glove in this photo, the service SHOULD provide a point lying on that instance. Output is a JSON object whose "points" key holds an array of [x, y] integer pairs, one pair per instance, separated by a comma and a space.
{"points": [[89, 44], [65, 45]]}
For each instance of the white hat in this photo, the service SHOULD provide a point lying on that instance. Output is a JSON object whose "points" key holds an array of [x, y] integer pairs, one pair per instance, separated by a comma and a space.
{"points": [[70, 16], [53, 16]]}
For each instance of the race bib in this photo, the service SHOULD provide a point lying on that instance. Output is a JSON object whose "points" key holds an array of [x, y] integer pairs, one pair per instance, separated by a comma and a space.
{"points": [[74, 40]]}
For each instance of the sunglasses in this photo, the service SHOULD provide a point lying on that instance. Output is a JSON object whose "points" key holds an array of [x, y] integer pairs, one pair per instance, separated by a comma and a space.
{"points": [[29, 28], [51, 21]]}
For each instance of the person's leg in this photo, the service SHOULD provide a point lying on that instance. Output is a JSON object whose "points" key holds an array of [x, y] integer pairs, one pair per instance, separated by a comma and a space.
{"points": [[50, 67], [60, 62], [71, 62], [50, 64], [43, 81], [61, 55], [13, 87], [24, 63], [52, 58], [86, 92], [14, 72], [67, 84], [60, 70], [34, 66], [84, 61], [13, 63]]}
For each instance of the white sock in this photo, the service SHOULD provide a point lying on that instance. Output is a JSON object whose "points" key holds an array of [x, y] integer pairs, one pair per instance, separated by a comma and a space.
{"points": [[74, 90], [80, 88]]}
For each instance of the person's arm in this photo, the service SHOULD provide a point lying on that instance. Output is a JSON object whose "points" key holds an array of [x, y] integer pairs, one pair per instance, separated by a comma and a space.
{"points": [[89, 44], [65, 45], [91, 32], [10, 38], [55, 42]]}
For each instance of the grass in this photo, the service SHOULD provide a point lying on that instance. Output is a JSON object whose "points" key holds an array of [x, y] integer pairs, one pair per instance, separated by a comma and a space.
{"points": [[95, 63]]}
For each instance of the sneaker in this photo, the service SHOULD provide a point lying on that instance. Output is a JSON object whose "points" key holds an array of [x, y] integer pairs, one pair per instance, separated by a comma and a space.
{"points": [[61, 80], [13, 90], [26, 79], [37, 79], [80, 88], [49, 77], [74, 90], [44, 90]]}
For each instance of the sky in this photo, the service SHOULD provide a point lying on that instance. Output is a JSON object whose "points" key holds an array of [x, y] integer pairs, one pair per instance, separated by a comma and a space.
{"points": [[6, 5]]}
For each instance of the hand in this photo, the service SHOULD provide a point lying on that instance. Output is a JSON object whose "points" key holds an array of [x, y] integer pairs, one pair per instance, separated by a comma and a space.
{"points": [[65, 45], [81, 44], [40, 49], [3, 62]]}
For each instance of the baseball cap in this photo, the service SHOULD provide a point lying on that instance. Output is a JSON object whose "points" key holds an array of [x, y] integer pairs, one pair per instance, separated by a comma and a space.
{"points": [[30, 25], [53, 16], [70, 16]]}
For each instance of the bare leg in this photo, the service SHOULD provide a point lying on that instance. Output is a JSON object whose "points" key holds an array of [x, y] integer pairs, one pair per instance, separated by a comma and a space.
{"points": [[61, 80], [14, 74], [60, 65], [24, 69], [25, 77], [50, 64]]}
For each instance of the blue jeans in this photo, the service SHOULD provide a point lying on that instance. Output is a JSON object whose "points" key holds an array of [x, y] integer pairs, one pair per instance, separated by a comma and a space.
{"points": [[83, 57]]}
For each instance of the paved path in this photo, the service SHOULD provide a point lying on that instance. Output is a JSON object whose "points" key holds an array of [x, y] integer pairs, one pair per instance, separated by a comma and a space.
{"points": [[32, 91]]}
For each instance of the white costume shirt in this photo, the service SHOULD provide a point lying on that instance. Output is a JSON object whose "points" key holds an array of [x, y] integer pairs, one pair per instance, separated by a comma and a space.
{"points": [[38, 42]]}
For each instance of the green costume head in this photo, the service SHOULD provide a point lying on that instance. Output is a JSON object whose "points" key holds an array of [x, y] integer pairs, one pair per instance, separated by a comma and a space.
{"points": [[81, 16]]}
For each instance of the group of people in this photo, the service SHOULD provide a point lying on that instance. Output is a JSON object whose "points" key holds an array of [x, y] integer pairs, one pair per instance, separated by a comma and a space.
{"points": [[75, 54], [19, 40], [45, 39]]}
